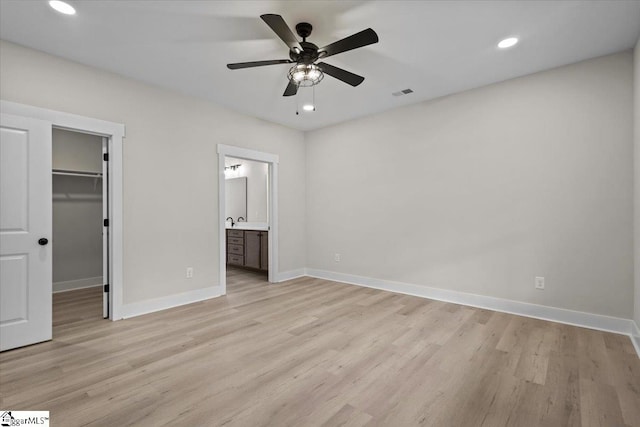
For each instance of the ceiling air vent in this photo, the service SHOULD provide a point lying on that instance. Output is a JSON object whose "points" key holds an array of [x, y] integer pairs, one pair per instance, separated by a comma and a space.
{"points": [[402, 92]]}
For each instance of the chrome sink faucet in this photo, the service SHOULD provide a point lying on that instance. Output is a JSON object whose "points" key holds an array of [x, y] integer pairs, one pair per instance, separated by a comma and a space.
{"points": [[230, 218]]}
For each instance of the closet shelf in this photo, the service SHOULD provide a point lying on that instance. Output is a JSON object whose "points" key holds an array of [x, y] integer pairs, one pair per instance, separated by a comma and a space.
{"points": [[76, 173]]}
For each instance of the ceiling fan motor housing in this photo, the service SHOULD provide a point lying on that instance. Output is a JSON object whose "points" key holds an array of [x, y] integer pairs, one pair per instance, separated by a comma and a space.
{"points": [[308, 55]]}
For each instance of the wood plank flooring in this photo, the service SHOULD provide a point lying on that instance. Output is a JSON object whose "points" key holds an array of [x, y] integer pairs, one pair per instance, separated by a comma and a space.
{"points": [[310, 352]]}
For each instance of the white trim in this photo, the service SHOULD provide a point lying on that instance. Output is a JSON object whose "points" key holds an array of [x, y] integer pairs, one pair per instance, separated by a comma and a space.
{"points": [[274, 267], [222, 228], [554, 314], [272, 160], [291, 274], [116, 133], [72, 285], [171, 301], [64, 120], [245, 153], [106, 294], [635, 336]]}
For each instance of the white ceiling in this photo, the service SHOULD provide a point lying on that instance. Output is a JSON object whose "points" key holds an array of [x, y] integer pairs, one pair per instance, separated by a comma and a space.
{"points": [[433, 47]]}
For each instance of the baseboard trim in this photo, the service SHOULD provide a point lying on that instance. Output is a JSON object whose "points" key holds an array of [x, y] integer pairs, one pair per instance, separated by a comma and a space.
{"points": [[570, 317], [171, 301], [291, 274], [635, 336], [72, 285]]}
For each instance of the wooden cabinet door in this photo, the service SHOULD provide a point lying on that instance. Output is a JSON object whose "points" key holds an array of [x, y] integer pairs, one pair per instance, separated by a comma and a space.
{"points": [[252, 249], [264, 251]]}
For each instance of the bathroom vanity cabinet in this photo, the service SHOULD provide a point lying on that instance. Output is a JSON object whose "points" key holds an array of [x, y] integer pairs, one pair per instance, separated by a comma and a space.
{"points": [[248, 248]]}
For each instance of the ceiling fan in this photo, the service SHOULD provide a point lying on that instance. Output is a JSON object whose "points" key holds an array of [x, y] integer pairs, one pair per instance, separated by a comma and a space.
{"points": [[304, 54]]}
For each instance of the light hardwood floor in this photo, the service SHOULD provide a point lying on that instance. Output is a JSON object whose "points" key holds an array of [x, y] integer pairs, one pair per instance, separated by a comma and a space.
{"points": [[310, 352]]}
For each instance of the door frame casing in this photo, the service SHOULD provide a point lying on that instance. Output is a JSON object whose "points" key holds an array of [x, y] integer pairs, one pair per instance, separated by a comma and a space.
{"points": [[115, 132], [272, 160], [106, 295]]}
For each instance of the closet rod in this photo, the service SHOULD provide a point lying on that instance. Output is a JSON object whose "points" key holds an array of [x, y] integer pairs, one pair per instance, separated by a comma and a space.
{"points": [[75, 173]]}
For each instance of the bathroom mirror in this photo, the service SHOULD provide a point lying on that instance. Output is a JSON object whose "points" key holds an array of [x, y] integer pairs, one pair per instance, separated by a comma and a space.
{"points": [[236, 198]]}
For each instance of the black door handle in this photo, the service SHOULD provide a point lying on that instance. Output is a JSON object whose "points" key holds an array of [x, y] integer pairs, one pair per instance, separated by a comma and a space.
{"points": [[43, 241]]}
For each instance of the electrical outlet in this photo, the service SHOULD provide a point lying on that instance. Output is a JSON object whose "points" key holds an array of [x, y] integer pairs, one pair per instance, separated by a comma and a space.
{"points": [[189, 272], [539, 282], [336, 257]]}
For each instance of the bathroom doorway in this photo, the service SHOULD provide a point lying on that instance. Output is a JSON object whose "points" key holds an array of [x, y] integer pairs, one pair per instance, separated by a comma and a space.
{"points": [[248, 213]]}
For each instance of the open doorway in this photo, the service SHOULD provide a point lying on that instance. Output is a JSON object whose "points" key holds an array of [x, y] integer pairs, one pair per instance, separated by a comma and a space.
{"points": [[248, 212], [79, 230], [26, 282], [246, 220]]}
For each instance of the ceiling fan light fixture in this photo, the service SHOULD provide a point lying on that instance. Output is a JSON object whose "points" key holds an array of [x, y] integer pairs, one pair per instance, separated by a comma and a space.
{"points": [[309, 107], [306, 75], [304, 54]]}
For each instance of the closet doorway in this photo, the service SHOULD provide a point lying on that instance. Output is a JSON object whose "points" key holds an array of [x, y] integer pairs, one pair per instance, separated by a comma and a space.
{"points": [[80, 232], [26, 279]]}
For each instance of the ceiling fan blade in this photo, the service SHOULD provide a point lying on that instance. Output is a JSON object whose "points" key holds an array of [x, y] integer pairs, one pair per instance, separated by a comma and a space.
{"points": [[291, 89], [363, 38], [340, 74], [239, 65], [277, 24]]}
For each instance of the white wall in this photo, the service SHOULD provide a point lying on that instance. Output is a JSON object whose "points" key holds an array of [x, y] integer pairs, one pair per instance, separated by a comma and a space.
{"points": [[257, 174], [477, 192], [481, 191], [170, 166], [636, 139], [76, 151], [77, 232], [77, 211]]}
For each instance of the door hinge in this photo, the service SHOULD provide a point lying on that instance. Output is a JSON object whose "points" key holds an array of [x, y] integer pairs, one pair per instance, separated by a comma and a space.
{"points": [[105, 157], [105, 222], [106, 287]]}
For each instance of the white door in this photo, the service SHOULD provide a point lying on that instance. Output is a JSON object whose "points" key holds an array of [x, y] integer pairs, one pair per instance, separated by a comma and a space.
{"points": [[25, 231]]}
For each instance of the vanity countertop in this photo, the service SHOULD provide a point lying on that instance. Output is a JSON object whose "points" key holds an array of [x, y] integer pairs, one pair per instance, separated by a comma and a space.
{"points": [[259, 226]]}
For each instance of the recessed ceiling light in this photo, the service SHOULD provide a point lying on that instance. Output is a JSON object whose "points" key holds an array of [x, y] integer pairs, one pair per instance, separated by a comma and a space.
{"points": [[62, 7], [511, 41], [308, 107]]}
